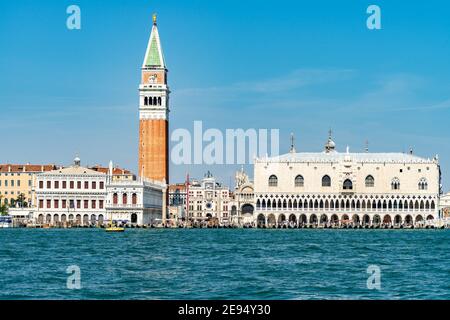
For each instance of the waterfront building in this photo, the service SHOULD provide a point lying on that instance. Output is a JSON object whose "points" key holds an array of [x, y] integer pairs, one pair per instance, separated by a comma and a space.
{"points": [[177, 194], [177, 201], [242, 204], [137, 201], [208, 199], [333, 188], [18, 179], [74, 195], [80, 196], [154, 112], [444, 207]]}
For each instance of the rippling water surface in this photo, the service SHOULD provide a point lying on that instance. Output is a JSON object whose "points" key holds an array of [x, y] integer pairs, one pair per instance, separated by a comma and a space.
{"points": [[224, 264]]}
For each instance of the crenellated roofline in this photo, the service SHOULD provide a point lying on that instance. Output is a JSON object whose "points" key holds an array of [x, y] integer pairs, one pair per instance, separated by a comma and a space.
{"points": [[332, 157]]}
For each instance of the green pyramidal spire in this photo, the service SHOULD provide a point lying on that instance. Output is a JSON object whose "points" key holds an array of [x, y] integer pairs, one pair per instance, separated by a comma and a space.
{"points": [[154, 55]]}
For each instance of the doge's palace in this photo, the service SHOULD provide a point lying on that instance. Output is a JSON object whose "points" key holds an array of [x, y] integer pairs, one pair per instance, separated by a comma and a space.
{"points": [[330, 188]]}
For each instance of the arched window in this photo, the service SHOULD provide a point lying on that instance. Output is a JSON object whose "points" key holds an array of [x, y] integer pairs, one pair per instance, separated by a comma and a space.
{"points": [[395, 184], [370, 182], [134, 198], [348, 185], [124, 198], [299, 181], [150, 101], [423, 184], [159, 101], [326, 181], [145, 101], [273, 181], [154, 101], [115, 198]]}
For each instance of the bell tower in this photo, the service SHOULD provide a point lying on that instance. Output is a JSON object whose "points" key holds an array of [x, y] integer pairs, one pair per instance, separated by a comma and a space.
{"points": [[154, 112]]}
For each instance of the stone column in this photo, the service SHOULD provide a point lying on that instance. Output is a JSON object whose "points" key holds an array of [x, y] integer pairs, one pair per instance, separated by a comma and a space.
{"points": [[164, 204]]}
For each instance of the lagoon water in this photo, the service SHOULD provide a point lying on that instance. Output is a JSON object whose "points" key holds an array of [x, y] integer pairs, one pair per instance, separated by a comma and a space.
{"points": [[224, 264]]}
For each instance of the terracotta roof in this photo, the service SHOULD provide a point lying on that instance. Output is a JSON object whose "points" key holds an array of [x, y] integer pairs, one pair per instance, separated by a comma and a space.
{"points": [[176, 186], [26, 167], [116, 171]]}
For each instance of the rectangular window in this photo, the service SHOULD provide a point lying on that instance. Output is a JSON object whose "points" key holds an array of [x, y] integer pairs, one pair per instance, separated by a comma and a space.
{"points": [[64, 184], [6, 183], [72, 184], [56, 184], [49, 184], [78, 184], [86, 184], [41, 204], [29, 183], [100, 204], [94, 185], [12, 183], [18, 183], [56, 204], [86, 204], [41, 184], [79, 204], [93, 204], [72, 204], [63, 203], [49, 204], [102, 185]]}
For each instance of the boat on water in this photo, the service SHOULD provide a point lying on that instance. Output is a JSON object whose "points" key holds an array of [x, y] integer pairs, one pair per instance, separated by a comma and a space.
{"points": [[6, 222], [113, 228]]}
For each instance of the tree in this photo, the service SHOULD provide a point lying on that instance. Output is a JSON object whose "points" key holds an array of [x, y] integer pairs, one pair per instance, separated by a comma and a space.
{"points": [[3, 207], [21, 200]]}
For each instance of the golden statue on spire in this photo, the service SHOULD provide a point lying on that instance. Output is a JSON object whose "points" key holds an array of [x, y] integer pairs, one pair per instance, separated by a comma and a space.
{"points": [[154, 18]]}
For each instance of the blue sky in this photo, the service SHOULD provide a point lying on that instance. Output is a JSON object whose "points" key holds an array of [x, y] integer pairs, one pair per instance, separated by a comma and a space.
{"points": [[65, 92]]}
